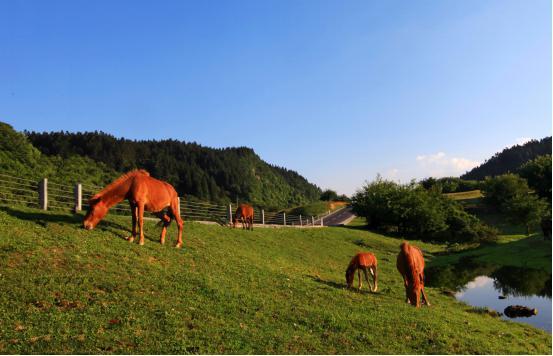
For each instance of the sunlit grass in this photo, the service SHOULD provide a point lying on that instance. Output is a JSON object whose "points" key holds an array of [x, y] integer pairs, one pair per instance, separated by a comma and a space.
{"points": [[67, 290]]}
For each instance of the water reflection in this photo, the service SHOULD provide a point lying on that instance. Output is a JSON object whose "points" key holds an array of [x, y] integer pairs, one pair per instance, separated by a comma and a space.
{"points": [[481, 285]]}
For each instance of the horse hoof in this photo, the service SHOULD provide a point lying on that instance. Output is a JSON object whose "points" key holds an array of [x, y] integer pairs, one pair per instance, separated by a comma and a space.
{"points": [[141, 243], [178, 245], [130, 239]]}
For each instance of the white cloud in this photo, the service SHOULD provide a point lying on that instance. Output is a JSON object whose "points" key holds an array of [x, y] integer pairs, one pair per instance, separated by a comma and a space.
{"points": [[440, 165]]}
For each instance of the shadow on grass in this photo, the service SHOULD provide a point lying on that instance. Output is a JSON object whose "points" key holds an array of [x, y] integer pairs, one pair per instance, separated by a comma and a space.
{"points": [[341, 286], [43, 219]]}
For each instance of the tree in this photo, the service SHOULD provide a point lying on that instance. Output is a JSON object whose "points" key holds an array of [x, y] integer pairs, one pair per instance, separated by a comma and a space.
{"points": [[501, 189], [538, 174], [329, 195], [526, 210]]}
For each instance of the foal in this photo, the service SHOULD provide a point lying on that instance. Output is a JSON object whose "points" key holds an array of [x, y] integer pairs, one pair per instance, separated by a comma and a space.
{"points": [[361, 262]]}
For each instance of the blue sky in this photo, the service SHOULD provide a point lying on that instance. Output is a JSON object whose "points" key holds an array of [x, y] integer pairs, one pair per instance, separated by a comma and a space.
{"points": [[337, 90]]}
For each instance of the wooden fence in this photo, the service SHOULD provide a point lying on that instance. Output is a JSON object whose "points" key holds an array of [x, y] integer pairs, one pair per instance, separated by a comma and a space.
{"points": [[48, 195]]}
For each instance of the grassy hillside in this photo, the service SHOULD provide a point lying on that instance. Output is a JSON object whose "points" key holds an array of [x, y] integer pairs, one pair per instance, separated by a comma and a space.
{"points": [[67, 290]]}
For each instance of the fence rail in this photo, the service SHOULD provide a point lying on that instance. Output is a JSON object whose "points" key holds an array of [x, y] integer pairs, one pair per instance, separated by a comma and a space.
{"points": [[48, 195]]}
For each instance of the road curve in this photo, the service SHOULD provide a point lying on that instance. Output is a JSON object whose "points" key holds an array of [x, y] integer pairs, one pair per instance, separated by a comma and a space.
{"points": [[340, 217]]}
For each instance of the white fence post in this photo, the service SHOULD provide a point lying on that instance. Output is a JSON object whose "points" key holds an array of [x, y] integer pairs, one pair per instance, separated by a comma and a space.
{"points": [[262, 216], [284, 218], [43, 194], [78, 191], [301, 222], [322, 221], [312, 221], [230, 214]]}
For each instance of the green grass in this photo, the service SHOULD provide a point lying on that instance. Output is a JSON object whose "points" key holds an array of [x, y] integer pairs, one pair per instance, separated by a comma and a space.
{"points": [[67, 290], [472, 194]]}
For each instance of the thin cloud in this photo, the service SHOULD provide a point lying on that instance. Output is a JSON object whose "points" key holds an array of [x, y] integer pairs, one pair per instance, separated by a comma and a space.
{"points": [[440, 165]]}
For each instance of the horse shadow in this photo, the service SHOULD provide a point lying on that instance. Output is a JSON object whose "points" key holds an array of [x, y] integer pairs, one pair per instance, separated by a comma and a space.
{"points": [[341, 286], [75, 220]]}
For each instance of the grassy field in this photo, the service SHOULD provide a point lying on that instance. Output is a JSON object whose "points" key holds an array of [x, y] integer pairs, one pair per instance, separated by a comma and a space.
{"points": [[472, 194], [67, 290]]}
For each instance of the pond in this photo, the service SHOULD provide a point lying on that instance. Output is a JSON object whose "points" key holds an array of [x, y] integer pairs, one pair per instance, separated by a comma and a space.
{"points": [[485, 285]]}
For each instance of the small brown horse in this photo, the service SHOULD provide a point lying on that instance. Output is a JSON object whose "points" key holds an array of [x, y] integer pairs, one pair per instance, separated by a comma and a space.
{"points": [[244, 213], [144, 193], [410, 263], [361, 262]]}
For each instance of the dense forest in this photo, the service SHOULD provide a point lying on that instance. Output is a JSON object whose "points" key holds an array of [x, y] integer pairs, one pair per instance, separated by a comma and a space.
{"points": [[510, 159], [205, 173]]}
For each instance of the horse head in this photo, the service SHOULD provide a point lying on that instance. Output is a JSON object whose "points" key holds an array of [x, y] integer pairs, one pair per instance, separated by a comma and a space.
{"points": [[414, 294], [97, 209], [350, 274]]}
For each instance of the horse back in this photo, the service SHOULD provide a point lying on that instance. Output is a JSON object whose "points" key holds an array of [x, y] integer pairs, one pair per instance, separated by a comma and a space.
{"points": [[245, 211], [365, 259], [151, 191]]}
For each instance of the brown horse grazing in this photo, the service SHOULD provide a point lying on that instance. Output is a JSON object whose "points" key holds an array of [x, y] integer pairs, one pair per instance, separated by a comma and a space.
{"points": [[361, 262], [410, 263], [244, 213], [143, 193]]}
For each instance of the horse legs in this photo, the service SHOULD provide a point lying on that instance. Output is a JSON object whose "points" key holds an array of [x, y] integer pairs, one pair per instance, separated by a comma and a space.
{"points": [[141, 223], [134, 213], [166, 220], [367, 279], [374, 273], [425, 297], [359, 277], [406, 290], [251, 223], [178, 219]]}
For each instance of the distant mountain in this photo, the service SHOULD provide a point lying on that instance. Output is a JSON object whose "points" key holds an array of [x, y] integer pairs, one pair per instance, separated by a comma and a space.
{"points": [[218, 175], [510, 159]]}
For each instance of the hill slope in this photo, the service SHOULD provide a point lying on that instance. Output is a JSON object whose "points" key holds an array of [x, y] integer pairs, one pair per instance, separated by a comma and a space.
{"points": [[206, 173], [19, 158], [510, 159], [67, 290]]}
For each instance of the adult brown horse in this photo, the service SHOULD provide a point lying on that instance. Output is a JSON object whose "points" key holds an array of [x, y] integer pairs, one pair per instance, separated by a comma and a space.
{"points": [[244, 213], [363, 261], [410, 263], [144, 193]]}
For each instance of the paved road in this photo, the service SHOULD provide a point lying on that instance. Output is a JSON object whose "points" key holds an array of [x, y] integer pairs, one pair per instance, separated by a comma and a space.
{"points": [[339, 217]]}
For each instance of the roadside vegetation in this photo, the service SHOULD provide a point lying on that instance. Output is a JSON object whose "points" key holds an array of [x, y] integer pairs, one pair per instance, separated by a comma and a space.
{"points": [[67, 290]]}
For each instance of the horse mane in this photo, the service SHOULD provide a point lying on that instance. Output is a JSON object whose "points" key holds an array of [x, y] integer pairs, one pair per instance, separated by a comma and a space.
{"points": [[413, 270], [119, 180]]}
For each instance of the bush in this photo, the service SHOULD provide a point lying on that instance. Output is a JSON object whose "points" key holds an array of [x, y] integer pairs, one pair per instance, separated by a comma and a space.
{"points": [[416, 213]]}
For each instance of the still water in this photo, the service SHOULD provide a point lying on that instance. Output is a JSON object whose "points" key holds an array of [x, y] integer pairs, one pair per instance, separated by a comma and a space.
{"points": [[483, 291], [481, 284]]}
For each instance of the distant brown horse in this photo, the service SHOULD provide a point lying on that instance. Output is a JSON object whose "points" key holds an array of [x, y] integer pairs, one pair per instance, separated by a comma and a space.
{"points": [[244, 213], [410, 263], [143, 193], [363, 261]]}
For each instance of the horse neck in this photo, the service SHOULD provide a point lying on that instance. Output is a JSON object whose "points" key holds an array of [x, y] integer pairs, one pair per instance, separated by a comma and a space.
{"points": [[412, 269], [117, 193]]}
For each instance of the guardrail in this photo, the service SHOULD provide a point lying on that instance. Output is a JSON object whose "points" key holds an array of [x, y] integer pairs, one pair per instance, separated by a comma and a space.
{"points": [[51, 195]]}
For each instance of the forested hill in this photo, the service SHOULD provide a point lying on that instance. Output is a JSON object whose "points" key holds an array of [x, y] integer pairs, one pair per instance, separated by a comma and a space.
{"points": [[206, 173], [510, 159]]}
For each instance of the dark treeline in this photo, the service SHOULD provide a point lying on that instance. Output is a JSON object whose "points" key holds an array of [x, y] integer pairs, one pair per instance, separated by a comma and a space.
{"points": [[510, 159], [205, 173]]}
